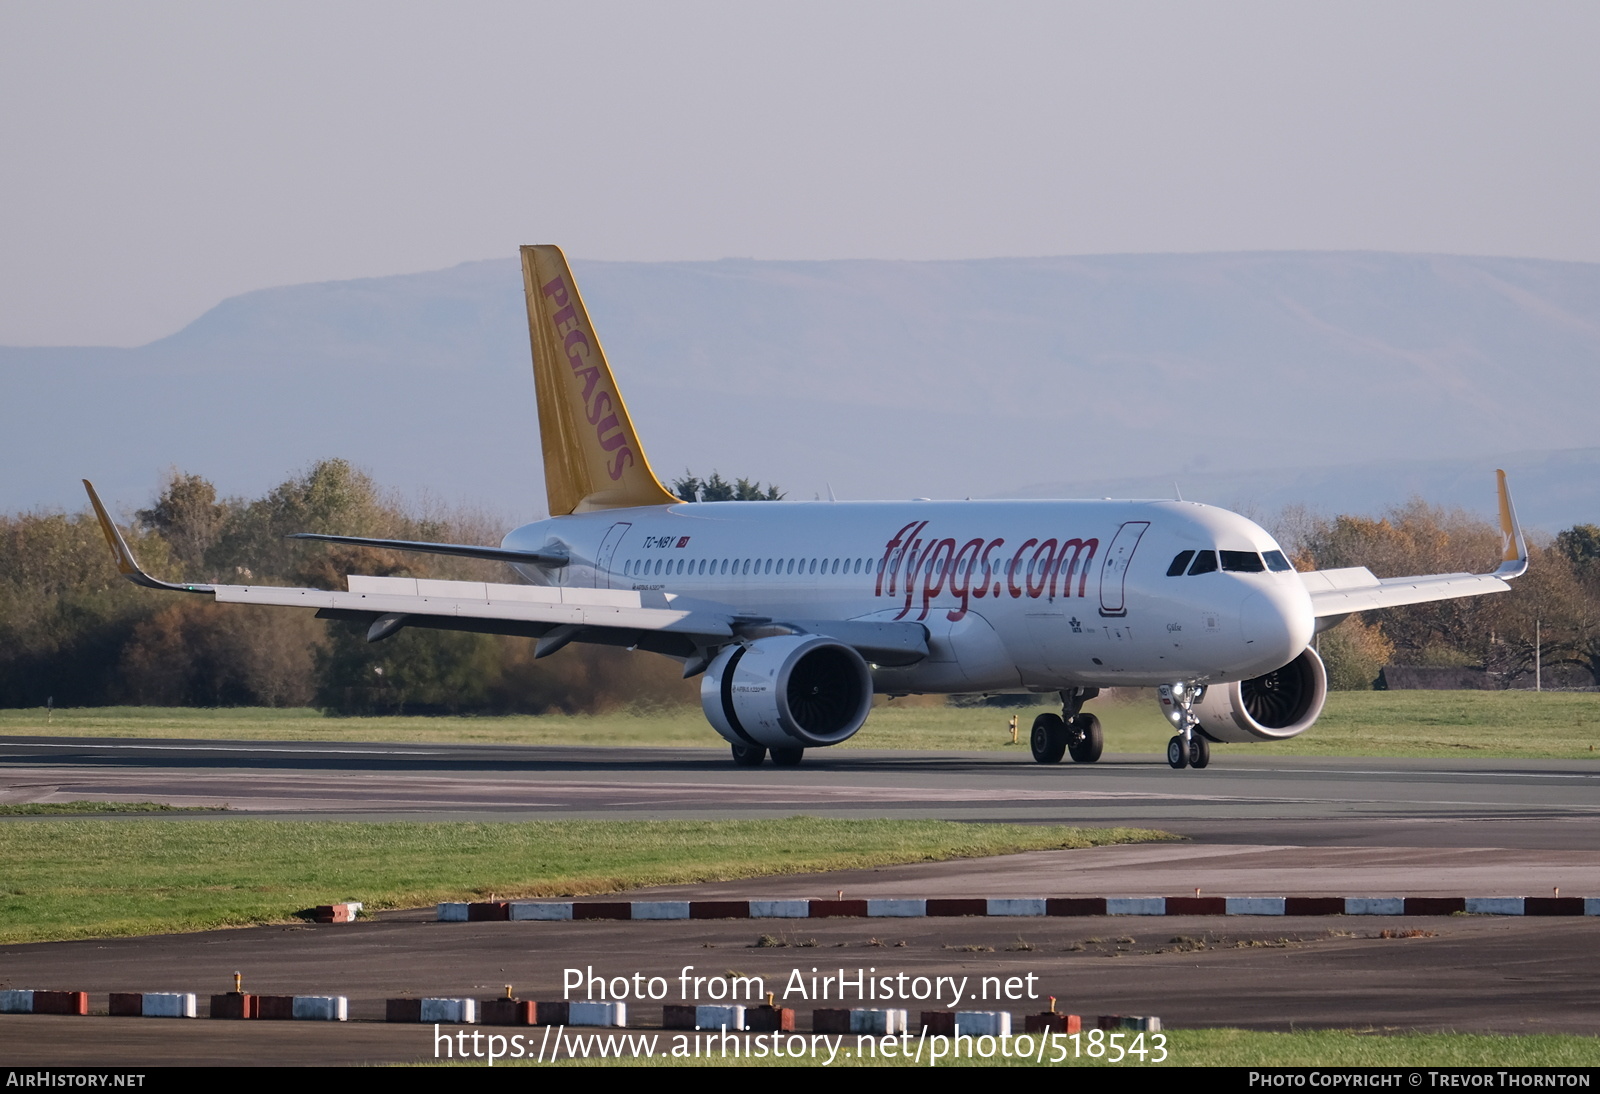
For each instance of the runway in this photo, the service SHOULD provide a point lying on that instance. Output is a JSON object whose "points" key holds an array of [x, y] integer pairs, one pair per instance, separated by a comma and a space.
{"points": [[1254, 792], [1254, 824]]}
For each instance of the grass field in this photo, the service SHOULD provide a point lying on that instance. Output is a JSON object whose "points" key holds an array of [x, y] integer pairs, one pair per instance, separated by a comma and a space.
{"points": [[88, 808], [1490, 724], [99, 878]]}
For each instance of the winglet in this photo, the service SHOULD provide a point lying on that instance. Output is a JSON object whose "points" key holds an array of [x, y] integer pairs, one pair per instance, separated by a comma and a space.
{"points": [[127, 565], [1514, 549]]}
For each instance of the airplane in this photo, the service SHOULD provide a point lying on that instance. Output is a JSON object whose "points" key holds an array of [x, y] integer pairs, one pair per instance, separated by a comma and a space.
{"points": [[798, 613]]}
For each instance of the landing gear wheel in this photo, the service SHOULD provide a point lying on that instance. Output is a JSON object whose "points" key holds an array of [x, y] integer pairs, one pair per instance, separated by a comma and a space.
{"points": [[1084, 739], [1049, 739], [788, 757], [1177, 757], [1199, 752], [749, 755]]}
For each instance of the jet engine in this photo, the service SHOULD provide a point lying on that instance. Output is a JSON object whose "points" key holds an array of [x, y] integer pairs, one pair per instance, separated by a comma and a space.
{"points": [[788, 691], [1273, 707]]}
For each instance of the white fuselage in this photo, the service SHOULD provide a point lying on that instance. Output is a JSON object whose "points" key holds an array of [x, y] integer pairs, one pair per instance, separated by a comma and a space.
{"points": [[1015, 595]]}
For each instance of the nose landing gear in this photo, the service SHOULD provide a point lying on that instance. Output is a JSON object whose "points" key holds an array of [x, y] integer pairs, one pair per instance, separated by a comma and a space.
{"points": [[1189, 748]]}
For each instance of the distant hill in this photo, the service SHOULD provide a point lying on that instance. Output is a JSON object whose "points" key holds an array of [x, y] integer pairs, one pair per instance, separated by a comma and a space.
{"points": [[1340, 380], [1552, 489]]}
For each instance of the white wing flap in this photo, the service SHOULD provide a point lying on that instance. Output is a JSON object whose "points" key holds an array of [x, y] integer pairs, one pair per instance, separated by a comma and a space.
{"points": [[525, 594], [479, 600], [1321, 581]]}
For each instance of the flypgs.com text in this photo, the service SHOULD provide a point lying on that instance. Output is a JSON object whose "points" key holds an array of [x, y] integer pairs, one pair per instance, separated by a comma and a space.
{"points": [[979, 568]]}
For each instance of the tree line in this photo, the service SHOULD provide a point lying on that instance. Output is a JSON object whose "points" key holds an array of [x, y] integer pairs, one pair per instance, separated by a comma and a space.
{"points": [[73, 630], [1552, 611]]}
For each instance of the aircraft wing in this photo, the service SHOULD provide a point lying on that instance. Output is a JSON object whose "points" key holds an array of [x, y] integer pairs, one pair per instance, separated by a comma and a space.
{"points": [[1344, 592], [668, 623], [1338, 593], [389, 603]]}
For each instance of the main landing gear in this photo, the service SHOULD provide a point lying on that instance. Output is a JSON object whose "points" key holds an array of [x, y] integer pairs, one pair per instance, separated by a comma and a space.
{"points": [[1189, 748], [752, 755], [1072, 731]]}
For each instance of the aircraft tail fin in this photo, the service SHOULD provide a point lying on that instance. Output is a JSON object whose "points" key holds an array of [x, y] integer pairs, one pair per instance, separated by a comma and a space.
{"points": [[592, 456]]}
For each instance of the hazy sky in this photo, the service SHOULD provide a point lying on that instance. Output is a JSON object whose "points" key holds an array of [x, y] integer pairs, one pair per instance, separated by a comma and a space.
{"points": [[158, 157]]}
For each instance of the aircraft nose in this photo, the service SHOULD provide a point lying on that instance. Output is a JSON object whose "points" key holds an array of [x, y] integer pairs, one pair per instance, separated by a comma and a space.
{"points": [[1276, 625]]}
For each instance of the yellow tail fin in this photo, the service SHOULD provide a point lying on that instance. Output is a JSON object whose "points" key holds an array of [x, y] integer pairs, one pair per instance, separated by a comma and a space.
{"points": [[592, 456]]}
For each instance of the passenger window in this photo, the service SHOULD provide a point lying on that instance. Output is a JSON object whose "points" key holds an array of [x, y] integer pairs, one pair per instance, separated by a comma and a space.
{"points": [[1204, 563], [1277, 563], [1180, 564], [1242, 562]]}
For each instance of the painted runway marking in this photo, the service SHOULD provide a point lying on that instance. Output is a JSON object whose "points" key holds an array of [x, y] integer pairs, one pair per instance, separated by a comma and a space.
{"points": [[236, 748], [1429, 774]]}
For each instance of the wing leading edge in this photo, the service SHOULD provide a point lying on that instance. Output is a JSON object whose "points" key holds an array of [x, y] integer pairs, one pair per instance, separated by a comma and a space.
{"points": [[550, 559]]}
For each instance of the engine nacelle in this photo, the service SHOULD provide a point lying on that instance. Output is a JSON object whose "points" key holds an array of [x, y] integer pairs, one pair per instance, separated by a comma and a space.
{"points": [[788, 691], [1273, 707]]}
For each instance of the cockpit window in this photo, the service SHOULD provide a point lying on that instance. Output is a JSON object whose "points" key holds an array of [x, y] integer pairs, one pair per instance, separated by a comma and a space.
{"points": [[1242, 562], [1276, 562], [1180, 563], [1204, 563]]}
